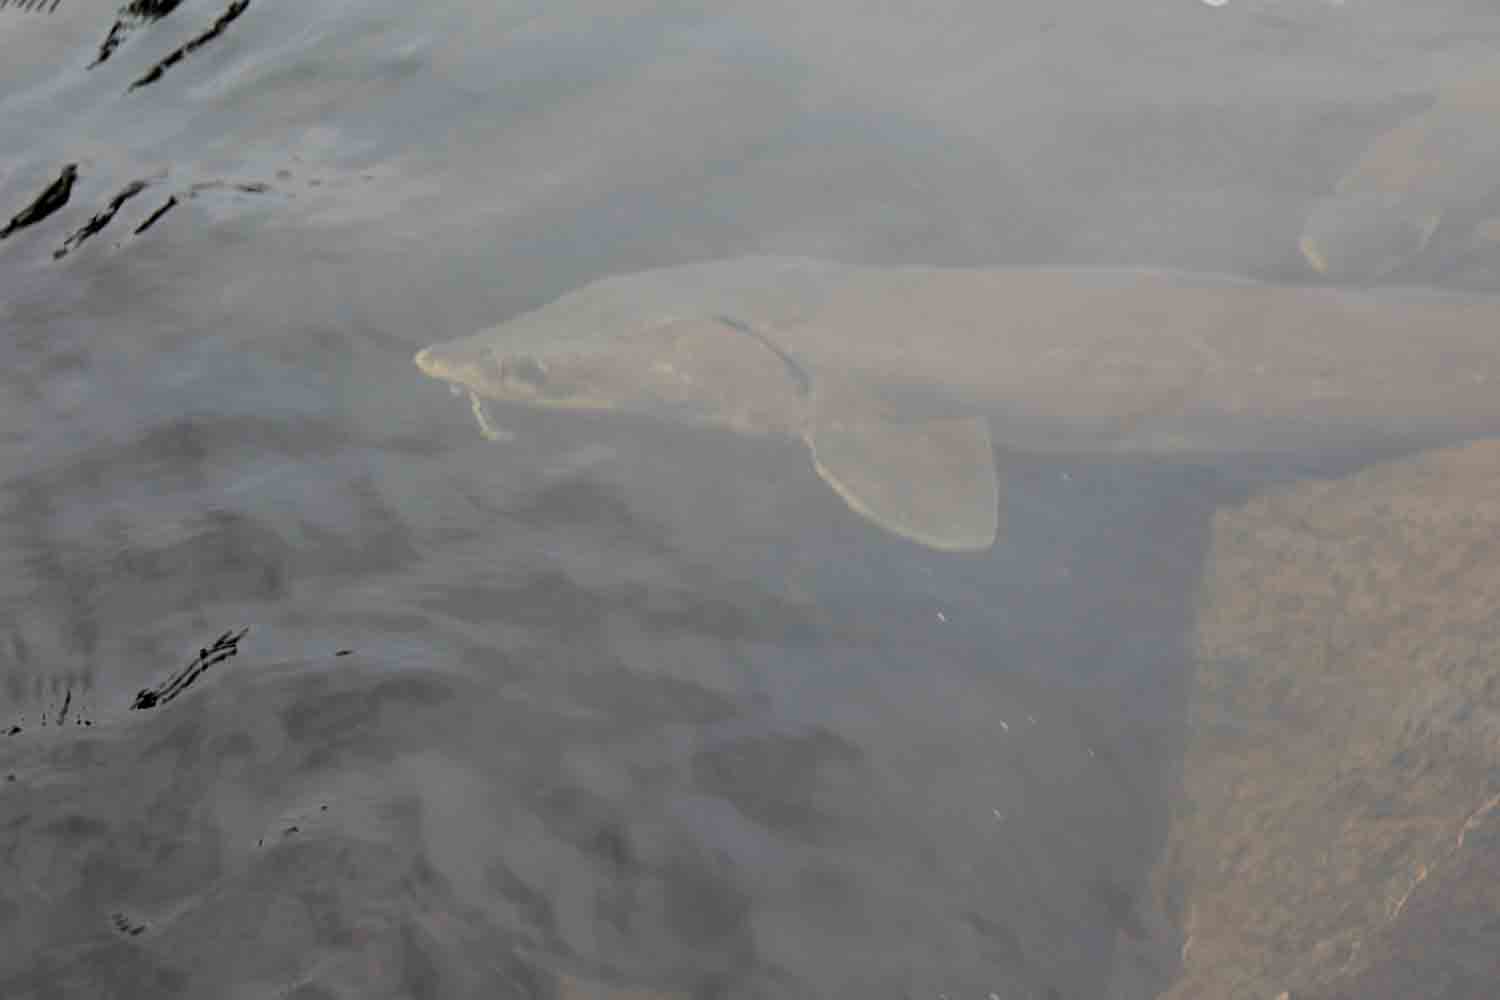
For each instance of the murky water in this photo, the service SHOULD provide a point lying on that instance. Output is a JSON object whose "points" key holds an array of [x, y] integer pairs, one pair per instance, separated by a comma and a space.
{"points": [[619, 708]]}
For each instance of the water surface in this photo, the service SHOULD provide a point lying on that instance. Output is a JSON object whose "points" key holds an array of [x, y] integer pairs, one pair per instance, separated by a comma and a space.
{"points": [[618, 709]]}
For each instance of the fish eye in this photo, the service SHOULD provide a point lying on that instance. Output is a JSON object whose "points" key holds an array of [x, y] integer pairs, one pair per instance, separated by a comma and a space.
{"points": [[527, 371]]}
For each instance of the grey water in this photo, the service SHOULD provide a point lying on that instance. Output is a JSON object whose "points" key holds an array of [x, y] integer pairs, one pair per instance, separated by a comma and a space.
{"points": [[610, 709]]}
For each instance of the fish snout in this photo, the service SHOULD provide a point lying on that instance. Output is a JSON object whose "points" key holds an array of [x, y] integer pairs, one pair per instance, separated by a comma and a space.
{"points": [[482, 370], [431, 363], [442, 361]]}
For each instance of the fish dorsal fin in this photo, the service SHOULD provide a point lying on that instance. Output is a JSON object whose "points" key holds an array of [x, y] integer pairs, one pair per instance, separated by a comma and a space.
{"points": [[930, 481]]}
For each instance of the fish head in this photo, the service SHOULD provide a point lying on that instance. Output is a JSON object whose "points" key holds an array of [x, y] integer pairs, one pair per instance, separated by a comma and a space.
{"points": [[699, 371], [1366, 235], [476, 366]]}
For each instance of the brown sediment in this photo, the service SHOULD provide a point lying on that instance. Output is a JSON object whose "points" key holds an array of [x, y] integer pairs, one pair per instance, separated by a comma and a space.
{"points": [[1476, 817], [1416, 880], [1341, 734], [1445, 939]]}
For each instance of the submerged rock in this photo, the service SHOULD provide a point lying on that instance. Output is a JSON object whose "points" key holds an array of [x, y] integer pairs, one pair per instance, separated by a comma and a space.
{"points": [[1339, 769]]}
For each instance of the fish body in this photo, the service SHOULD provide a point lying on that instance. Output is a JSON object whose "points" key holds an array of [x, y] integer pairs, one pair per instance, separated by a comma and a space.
{"points": [[902, 381]]}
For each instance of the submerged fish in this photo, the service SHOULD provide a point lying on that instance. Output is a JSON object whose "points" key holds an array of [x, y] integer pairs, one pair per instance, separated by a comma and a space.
{"points": [[1441, 163], [898, 379]]}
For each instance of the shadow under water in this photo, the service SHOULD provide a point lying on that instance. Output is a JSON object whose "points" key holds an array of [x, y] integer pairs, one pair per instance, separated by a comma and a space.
{"points": [[684, 787]]}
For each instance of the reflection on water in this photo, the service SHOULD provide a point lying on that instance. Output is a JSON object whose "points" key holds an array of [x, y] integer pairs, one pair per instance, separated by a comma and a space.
{"points": [[625, 709]]}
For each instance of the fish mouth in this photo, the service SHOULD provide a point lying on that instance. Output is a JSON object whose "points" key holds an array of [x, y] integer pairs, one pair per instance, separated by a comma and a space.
{"points": [[430, 365]]}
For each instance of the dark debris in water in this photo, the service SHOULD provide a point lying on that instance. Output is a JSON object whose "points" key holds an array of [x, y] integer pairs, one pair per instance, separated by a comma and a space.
{"points": [[58, 193], [223, 648], [131, 16], [55, 197], [33, 6], [126, 926], [99, 220], [50, 200], [107, 214], [67, 711], [151, 10], [246, 187], [155, 216], [288, 831], [233, 11]]}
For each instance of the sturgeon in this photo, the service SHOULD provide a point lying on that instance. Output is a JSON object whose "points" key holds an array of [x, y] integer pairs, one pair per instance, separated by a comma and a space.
{"points": [[901, 381]]}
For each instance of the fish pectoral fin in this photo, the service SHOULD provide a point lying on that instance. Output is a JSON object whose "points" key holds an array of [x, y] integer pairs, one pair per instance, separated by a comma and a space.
{"points": [[932, 481]]}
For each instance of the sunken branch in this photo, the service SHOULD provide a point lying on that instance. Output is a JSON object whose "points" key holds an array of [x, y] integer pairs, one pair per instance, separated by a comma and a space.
{"points": [[224, 647]]}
